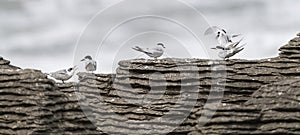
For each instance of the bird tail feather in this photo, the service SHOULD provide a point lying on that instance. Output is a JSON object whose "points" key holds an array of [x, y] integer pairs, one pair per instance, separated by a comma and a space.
{"points": [[238, 42], [239, 49], [236, 35], [139, 49], [242, 46]]}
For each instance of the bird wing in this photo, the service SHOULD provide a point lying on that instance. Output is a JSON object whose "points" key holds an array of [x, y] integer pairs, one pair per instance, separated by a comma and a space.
{"points": [[91, 66], [242, 46], [137, 48], [237, 50], [94, 63], [234, 52], [61, 72], [234, 44], [211, 30], [156, 52], [223, 54], [221, 47], [239, 42], [223, 39], [235, 35]]}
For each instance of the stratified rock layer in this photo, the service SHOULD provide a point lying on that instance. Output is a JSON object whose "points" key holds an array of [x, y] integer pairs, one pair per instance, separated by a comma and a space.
{"points": [[23, 100], [5, 64], [32, 104], [175, 96]]}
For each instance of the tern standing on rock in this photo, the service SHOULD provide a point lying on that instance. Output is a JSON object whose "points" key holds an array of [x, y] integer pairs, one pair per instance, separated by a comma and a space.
{"points": [[64, 74], [152, 52], [90, 64]]}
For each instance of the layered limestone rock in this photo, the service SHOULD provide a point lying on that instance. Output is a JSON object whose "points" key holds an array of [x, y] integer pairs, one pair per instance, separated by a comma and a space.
{"points": [[242, 77], [5, 64], [291, 50], [273, 109], [68, 116], [176, 96], [33, 104], [279, 105], [23, 98], [144, 90]]}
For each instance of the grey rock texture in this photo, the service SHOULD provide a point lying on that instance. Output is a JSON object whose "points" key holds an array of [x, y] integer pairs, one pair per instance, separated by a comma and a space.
{"points": [[291, 50], [279, 106], [5, 64], [33, 104], [23, 100], [247, 96]]}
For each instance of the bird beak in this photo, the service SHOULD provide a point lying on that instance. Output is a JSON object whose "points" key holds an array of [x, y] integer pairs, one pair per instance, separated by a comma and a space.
{"points": [[220, 47], [82, 59], [214, 48]]}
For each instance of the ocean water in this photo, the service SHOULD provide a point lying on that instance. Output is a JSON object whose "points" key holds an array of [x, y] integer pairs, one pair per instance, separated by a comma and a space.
{"points": [[42, 34]]}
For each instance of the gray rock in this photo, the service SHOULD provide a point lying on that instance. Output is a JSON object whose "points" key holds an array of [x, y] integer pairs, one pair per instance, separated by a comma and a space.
{"points": [[256, 97]]}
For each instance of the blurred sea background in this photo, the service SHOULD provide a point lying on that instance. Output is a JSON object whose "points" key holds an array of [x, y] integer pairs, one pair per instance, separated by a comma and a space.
{"points": [[42, 34]]}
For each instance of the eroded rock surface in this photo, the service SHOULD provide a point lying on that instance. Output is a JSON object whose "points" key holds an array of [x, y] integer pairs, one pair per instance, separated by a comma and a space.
{"points": [[247, 96], [33, 104]]}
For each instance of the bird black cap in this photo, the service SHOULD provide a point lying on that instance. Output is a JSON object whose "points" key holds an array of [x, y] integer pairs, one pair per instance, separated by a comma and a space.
{"points": [[87, 57], [161, 44]]}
